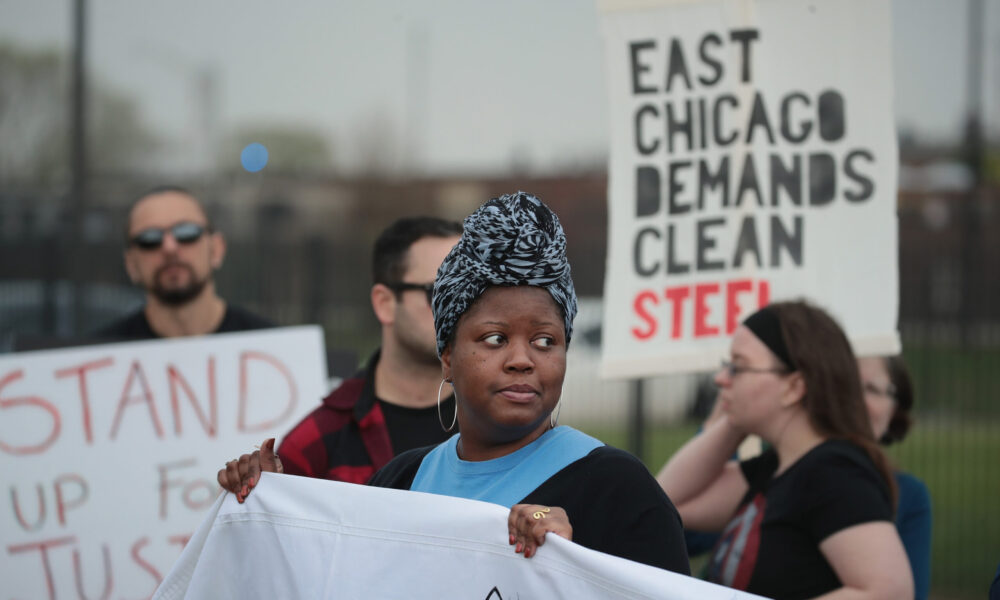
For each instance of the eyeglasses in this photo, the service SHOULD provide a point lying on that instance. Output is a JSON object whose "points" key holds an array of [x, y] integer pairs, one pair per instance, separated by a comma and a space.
{"points": [[152, 238], [889, 391], [734, 370], [402, 286]]}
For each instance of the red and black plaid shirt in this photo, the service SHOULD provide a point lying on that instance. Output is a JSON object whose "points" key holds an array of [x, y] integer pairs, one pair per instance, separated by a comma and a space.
{"points": [[346, 438]]}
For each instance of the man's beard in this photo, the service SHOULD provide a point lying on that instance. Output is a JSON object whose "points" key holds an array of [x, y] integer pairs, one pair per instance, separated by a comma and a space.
{"points": [[177, 296]]}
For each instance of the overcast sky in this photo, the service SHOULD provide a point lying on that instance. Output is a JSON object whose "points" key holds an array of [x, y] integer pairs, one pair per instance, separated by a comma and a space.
{"points": [[468, 84]]}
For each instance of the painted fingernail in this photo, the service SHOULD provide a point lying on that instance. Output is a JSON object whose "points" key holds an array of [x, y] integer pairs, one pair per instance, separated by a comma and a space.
{"points": [[252, 482], [518, 547], [511, 539]]}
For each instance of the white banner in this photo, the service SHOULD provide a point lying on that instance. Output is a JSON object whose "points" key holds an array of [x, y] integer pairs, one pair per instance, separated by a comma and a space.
{"points": [[307, 538], [108, 453], [753, 158]]}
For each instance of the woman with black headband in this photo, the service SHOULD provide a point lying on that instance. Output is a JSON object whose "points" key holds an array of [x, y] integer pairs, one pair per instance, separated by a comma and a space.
{"points": [[503, 307], [812, 515]]}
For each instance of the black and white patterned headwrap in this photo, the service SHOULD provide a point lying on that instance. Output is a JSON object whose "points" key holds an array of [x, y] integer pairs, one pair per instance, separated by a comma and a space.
{"points": [[510, 240]]}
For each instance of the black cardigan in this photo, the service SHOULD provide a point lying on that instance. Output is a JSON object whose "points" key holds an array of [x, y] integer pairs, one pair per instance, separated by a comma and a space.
{"points": [[613, 503]]}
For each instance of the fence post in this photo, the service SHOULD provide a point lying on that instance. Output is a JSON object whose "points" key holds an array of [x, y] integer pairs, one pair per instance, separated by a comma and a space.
{"points": [[637, 420]]}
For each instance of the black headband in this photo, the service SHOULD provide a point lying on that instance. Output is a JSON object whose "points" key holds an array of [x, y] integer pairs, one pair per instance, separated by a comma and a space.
{"points": [[766, 325]]}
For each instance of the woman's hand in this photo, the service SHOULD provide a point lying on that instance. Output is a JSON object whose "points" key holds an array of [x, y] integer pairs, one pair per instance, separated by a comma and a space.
{"points": [[241, 474], [528, 523]]}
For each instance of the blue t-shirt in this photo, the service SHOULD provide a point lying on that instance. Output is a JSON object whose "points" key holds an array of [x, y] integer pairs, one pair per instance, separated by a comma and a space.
{"points": [[504, 480], [913, 522]]}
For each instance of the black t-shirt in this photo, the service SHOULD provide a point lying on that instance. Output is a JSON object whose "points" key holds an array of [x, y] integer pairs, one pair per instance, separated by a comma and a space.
{"points": [[136, 326], [771, 546], [613, 503], [411, 428]]}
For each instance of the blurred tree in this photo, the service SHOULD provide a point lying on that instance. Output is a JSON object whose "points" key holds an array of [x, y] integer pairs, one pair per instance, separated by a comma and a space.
{"points": [[376, 146], [32, 91], [34, 120], [992, 170], [118, 140]]}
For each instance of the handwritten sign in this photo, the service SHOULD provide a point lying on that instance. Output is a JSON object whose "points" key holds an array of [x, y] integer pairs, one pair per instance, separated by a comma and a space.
{"points": [[108, 453], [753, 159]]}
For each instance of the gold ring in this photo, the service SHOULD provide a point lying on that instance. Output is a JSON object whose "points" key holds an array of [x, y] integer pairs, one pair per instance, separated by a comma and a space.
{"points": [[540, 514]]}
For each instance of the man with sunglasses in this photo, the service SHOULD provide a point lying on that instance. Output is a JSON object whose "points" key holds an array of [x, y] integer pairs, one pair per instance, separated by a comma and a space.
{"points": [[171, 252], [392, 404]]}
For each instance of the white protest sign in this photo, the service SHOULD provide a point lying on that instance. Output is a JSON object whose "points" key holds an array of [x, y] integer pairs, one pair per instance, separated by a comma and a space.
{"points": [[108, 453], [307, 538], [753, 159]]}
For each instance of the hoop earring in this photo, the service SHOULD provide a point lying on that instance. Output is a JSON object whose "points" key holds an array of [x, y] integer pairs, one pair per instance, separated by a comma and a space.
{"points": [[553, 416], [440, 419]]}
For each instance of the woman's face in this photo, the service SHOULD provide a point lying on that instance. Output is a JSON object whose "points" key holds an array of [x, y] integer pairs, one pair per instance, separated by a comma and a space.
{"points": [[756, 387], [507, 362], [879, 394]]}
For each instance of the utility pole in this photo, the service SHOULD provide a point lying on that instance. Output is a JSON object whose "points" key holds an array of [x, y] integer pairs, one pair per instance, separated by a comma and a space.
{"points": [[416, 113], [974, 159], [77, 209], [637, 419]]}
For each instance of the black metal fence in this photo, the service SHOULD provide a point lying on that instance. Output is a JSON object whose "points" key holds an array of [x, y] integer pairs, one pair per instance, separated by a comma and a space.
{"points": [[949, 260]]}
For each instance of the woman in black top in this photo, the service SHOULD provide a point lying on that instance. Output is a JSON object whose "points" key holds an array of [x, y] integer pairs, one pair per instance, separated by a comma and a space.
{"points": [[503, 313], [812, 516]]}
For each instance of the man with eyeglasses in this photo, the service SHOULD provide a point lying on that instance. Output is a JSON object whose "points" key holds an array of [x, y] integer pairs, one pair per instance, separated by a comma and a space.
{"points": [[171, 252], [397, 400]]}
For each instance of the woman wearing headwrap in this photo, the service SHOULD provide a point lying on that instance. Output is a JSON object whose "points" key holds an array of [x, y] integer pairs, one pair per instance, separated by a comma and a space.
{"points": [[503, 311], [812, 515]]}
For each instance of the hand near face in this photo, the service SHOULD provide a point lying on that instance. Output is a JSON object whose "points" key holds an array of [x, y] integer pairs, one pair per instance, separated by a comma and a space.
{"points": [[528, 523], [240, 475], [716, 413]]}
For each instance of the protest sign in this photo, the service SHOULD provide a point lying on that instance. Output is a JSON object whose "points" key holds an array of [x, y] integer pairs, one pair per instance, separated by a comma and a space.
{"points": [[753, 159], [307, 538], [108, 453]]}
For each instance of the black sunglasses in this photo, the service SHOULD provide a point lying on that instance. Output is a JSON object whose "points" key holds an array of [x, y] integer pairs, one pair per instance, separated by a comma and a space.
{"points": [[152, 238], [402, 286]]}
